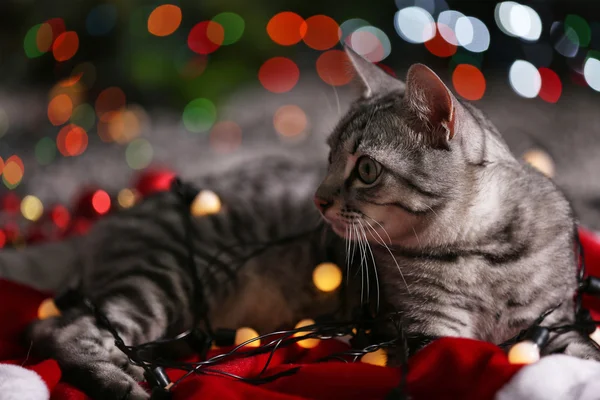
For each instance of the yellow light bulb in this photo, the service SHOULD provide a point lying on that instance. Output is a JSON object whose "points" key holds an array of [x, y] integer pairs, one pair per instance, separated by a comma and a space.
{"points": [[306, 343], [525, 352], [595, 336], [31, 208], [126, 198], [244, 334], [48, 309], [541, 161], [327, 277], [378, 357], [205, 203]]}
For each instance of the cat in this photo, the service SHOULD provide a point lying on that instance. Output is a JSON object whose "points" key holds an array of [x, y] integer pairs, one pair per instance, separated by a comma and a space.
{"points": [[463, 240]]}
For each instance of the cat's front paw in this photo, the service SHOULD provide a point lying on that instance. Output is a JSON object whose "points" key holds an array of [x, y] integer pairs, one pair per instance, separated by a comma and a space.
{"points": [[583, 349], [88, 357]]}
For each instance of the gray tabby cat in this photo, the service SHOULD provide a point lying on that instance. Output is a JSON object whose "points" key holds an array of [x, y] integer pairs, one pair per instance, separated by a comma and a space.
{"points": [[464, 240]]}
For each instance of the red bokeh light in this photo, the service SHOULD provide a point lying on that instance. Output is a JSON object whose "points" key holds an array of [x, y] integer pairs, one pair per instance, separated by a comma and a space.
{"points": [[334, 68], [286, 28], [551, 85], [279, 74], [206, 37], [101, 202], [469, 82]]}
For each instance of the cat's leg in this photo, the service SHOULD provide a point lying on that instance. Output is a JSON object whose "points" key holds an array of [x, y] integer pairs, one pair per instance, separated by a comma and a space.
{"points": [[86, 352], [573, 344]]}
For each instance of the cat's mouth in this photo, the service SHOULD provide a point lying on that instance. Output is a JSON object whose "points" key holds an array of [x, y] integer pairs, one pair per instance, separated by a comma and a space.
{"points": [[340, 227]]}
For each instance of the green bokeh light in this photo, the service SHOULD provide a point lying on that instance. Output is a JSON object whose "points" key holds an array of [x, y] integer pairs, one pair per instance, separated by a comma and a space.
{"points": [[84, 116], [232, 24], [30, 43], [578, 30], [139, 154], [199, 115], [45, 151]]}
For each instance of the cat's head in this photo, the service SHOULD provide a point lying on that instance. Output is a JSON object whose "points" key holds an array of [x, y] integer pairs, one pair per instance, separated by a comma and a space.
{"points": [[398, 157]]}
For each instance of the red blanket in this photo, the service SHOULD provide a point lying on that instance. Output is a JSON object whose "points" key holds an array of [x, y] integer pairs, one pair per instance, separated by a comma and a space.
{"points": [[447, 369]]}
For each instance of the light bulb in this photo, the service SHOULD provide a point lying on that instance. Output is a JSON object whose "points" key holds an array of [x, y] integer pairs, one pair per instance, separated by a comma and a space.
{"points": [[205, 203], [525, 352], [541, 161], [48, 309], [377, 357], [327, 277], [244, 334], [306, 343], [595, 336]]}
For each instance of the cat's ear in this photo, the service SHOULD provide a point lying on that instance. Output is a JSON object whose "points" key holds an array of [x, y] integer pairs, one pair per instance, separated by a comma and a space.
{"points": [[372, 78], [433, 103]]}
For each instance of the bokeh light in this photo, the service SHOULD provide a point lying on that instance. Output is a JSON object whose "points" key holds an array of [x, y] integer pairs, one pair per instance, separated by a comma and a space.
{"points": [[349, 26], [48, 32], [371, 43], [286, 28], [30, 43], [377, 357], [242, 335], [1, 165], [206, 202], [60, 109], [101, 19], [414, 24], [45, 151], [279, 74], [468, 82], [233, 26], [13, 171], [322, 32], [225, 137], [60, 216], [306, 343], [108, 101], [127, 198], [139, 154], [591, 73], [72, 140], [525, 79], [327, 277], [333, 68], [447, 25], [290, 120], [551, 85], [206, 37], [564, 39], [121, 126], [65, 46], [439, 46], [541, 161], [199, 115], [31, 208], [472, 34], [578, 30], [4, 122], [101, 202], [48, 309], [518, 20], [164, 20], [84, 116]]}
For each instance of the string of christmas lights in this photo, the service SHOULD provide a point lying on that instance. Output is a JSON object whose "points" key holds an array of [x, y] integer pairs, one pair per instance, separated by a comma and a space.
{"points": [[524, 348]]}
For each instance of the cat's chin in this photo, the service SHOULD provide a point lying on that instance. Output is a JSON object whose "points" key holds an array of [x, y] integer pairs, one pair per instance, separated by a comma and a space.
{"points": [[339, 227]]}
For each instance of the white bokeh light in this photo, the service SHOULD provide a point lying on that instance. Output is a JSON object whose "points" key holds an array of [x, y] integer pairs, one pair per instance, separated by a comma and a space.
{"points": [[371, 43], [448, 19], [518, 20], [591, 72], [525, 79], [414, 24], [349, 26], [480, 40]]}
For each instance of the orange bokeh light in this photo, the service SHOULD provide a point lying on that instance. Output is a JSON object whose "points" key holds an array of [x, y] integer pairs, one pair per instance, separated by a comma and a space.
{"points": [[1, 165], [13, 170], [279, 74], [322, 32], [290, 120], [225, 137], [109, 100], [286, 28], [65, 46], [72, 140], [468, 81], [164, 20], [60, 109], [438, 46], [334, 69]]}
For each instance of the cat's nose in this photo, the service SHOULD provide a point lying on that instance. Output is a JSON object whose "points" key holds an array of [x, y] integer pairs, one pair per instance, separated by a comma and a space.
{"points": [[322, 204]]}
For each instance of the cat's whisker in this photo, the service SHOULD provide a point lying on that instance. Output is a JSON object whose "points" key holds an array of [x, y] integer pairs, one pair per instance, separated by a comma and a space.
{"points": [[362, 265], [366, 246], [417, 236], [337, 99], [432, 210], [381, 226], [374, 264], [393, 258]]}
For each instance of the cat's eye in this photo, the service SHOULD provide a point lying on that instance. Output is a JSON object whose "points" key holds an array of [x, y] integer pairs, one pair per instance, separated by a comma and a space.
{"points": [[368, 170]]}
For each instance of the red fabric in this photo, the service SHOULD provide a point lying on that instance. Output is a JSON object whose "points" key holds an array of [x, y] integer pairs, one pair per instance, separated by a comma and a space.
{"points": [[449, 368]]}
